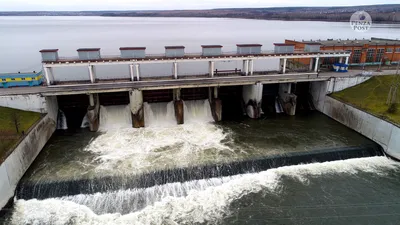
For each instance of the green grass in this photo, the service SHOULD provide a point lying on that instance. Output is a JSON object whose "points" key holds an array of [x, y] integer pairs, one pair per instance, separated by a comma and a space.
{"points": [[8, 132], [371, 96]]}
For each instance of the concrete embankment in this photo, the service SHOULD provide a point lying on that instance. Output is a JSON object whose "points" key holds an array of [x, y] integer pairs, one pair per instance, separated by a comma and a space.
{"points": [[15, 165], [382, 132]]}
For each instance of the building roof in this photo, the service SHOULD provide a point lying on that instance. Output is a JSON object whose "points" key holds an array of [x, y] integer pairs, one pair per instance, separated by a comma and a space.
{"points": [[174, 47], [354, 42], [132, 48], [211, 46], [248, 45], [283, 44], [88, 49], [49, 50]]}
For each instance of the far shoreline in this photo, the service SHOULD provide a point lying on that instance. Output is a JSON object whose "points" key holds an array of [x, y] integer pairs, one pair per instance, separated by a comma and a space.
{"points": [[272, 19]]}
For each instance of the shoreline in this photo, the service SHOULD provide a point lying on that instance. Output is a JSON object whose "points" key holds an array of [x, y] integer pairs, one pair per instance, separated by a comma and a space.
{"points": [[202, 17]]}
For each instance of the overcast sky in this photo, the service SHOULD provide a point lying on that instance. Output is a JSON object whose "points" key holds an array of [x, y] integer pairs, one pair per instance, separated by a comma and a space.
{"points": [[76, 5]]}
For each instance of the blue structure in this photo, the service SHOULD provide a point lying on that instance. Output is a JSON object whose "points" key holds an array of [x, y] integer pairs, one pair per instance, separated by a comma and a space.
{"points": [[21, 79], [340, 67]]}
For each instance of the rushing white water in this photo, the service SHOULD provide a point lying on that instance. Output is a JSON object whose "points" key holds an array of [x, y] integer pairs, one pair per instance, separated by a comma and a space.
{"points": [[159, 114], [197, 111], [62, 121], [127, 201], [85, 122], [162, 143], [115, 117], [207, 205]]}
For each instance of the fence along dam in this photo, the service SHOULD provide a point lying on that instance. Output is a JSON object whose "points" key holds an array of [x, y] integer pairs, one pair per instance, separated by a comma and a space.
{"points": [[244, 154]]}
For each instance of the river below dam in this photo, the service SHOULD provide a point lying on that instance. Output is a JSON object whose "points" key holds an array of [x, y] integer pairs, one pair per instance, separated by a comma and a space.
{"points": [[232, 172]]}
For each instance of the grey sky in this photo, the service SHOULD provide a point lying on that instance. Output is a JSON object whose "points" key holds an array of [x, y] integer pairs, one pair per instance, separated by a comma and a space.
{"points": [[24, 5]]}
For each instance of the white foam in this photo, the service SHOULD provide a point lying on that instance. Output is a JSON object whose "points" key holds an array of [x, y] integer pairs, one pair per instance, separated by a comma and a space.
{"points": [[131, 200], [62, 121], [162, 143], [208, 205], [159, 114], [115, 117], [197, 111], [135, 150], [85, 121]]}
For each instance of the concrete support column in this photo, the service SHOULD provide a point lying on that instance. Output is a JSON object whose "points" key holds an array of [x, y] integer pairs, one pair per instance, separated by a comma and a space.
{"points": [[178, 105], [215, 92], [287, 99], [251, 66], [252, 97], [137, 69], [93, 112], [246, 67], [216, 104], [347, 60], [49, 76], [137, 110], [284, 65], [316, 64], [211, 68], [175, 69], [131, 73], [92, 74]]}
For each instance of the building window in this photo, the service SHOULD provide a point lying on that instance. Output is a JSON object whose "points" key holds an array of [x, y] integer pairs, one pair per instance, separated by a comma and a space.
{"points": [[389, 50], [356, 56], [397, 49], [370, 55], [379, 55]]}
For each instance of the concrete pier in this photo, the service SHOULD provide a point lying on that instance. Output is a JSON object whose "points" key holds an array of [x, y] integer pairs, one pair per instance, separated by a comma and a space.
{"points": [[252, 97], [287, 99], [93, 112], [216, 104], [178, 105], [179, 112], [137, 110]]}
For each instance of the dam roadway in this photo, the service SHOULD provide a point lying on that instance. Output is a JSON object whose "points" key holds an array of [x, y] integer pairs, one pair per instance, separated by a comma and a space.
{"points": [[156, 84]]}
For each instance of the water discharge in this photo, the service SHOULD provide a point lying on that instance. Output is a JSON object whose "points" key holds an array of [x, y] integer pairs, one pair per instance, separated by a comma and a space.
{"points": [[115, 117], [206, 201], [161, 144], [62, 121]]}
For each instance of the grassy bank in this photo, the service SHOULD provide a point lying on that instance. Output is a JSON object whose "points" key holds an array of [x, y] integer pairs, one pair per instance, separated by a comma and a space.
{"points": [[13, 124], [371, 96]]}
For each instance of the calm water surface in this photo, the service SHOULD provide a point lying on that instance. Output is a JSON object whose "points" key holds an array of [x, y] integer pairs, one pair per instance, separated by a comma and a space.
{"points": [[22, 37]]}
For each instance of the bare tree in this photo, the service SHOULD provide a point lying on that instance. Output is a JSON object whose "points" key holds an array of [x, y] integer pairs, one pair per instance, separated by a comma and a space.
{"points": [[15, 120]]}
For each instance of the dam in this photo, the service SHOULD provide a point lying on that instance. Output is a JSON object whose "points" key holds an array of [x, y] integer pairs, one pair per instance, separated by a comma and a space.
{"points": [[217, 148]]}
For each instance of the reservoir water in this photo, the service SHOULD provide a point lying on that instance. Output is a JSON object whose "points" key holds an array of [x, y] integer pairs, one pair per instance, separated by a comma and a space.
{"points": [[200, 172], [22, 37]]}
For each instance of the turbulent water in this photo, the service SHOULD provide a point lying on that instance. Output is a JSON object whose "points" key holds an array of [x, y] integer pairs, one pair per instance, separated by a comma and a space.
{"points": [[119, 150], [211, 201], [123, 149]]}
